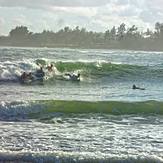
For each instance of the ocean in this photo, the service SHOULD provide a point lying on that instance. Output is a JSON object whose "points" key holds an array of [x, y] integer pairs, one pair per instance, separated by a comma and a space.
{"points": [[99, 119]]}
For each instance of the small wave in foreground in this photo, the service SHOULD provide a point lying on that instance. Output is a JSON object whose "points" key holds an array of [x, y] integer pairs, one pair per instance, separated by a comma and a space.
{"points": [[39, 109]]}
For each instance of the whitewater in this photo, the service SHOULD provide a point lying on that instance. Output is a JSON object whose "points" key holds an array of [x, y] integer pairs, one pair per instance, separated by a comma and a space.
{"points": [[99, 119]]}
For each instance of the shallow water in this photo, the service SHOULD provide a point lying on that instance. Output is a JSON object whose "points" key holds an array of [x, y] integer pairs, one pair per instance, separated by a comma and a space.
{"points": [[41, 131]]}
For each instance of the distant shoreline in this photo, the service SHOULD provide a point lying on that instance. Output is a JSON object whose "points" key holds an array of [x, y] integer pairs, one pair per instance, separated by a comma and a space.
{"points": [[118, 38]]}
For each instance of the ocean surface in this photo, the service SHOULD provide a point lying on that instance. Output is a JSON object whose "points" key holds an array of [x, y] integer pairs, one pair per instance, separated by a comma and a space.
{"points": [[100, 119]]}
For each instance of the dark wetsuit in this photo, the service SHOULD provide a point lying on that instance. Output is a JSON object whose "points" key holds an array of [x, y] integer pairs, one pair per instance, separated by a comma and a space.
{"points": [[40, 73], [135, 87]]}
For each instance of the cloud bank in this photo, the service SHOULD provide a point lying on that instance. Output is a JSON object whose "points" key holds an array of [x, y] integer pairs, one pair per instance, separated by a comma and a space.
{"points": [[61, 3], [96, 15]]}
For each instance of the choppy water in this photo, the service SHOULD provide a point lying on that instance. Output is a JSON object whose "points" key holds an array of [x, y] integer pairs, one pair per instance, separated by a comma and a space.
{"points": [[99, 119]]}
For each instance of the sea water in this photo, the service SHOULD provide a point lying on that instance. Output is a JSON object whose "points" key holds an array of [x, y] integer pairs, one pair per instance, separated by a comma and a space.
{"points": [[99, 119]]}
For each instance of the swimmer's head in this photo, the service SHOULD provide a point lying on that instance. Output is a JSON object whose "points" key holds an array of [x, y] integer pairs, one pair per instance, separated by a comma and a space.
{"points": [[134, 86]]}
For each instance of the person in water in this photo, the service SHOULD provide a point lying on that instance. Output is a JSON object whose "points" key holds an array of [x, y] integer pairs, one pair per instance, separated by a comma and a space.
{"points": [[40, 72], [50, 68], [135, 87], [74, 77], [23, 76], [29, 76]]}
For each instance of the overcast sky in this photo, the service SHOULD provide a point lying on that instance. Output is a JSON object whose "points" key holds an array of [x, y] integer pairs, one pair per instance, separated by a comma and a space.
{"points": [[97, 15]]}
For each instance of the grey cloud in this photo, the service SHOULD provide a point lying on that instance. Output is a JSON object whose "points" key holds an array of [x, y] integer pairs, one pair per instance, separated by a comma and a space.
{"points": [[147, 16], [149, 11], [93, 14], [129, 12], [60, 22], [153, 11], [151, 16], [45, 3], [125, 2], [120, 2]]}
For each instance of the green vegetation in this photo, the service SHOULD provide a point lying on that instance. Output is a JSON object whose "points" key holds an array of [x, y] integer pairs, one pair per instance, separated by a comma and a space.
{"points": [[121, 37]]}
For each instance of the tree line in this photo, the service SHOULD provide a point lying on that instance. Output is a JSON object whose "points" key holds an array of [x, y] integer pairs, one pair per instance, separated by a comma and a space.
{"points": [[121, 37]]}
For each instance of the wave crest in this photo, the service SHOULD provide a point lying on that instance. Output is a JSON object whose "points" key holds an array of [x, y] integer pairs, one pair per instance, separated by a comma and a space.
{"points": [[93, 70], [40, 109]]}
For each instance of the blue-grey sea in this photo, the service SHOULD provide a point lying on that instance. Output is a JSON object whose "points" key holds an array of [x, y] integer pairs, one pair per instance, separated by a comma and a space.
{"points": [[97, 119]]}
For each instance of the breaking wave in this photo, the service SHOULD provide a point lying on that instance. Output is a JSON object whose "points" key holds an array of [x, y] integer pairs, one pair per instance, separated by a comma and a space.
{"points": [[10, 72], [50, 108]]}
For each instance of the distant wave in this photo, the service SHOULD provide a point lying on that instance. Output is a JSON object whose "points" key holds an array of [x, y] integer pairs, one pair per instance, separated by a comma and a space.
{"points": [[10, 72], [39, 109]]}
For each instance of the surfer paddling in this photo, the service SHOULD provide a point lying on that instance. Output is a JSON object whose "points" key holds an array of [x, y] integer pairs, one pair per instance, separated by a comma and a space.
{"points": [[40, 72], [73, 77], [135, 87], [50, 68]]}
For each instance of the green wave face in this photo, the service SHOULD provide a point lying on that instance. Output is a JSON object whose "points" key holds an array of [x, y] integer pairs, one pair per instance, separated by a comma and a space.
{"points": [[105, 68], [95, 68], [111, 107], [48, 109]]}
